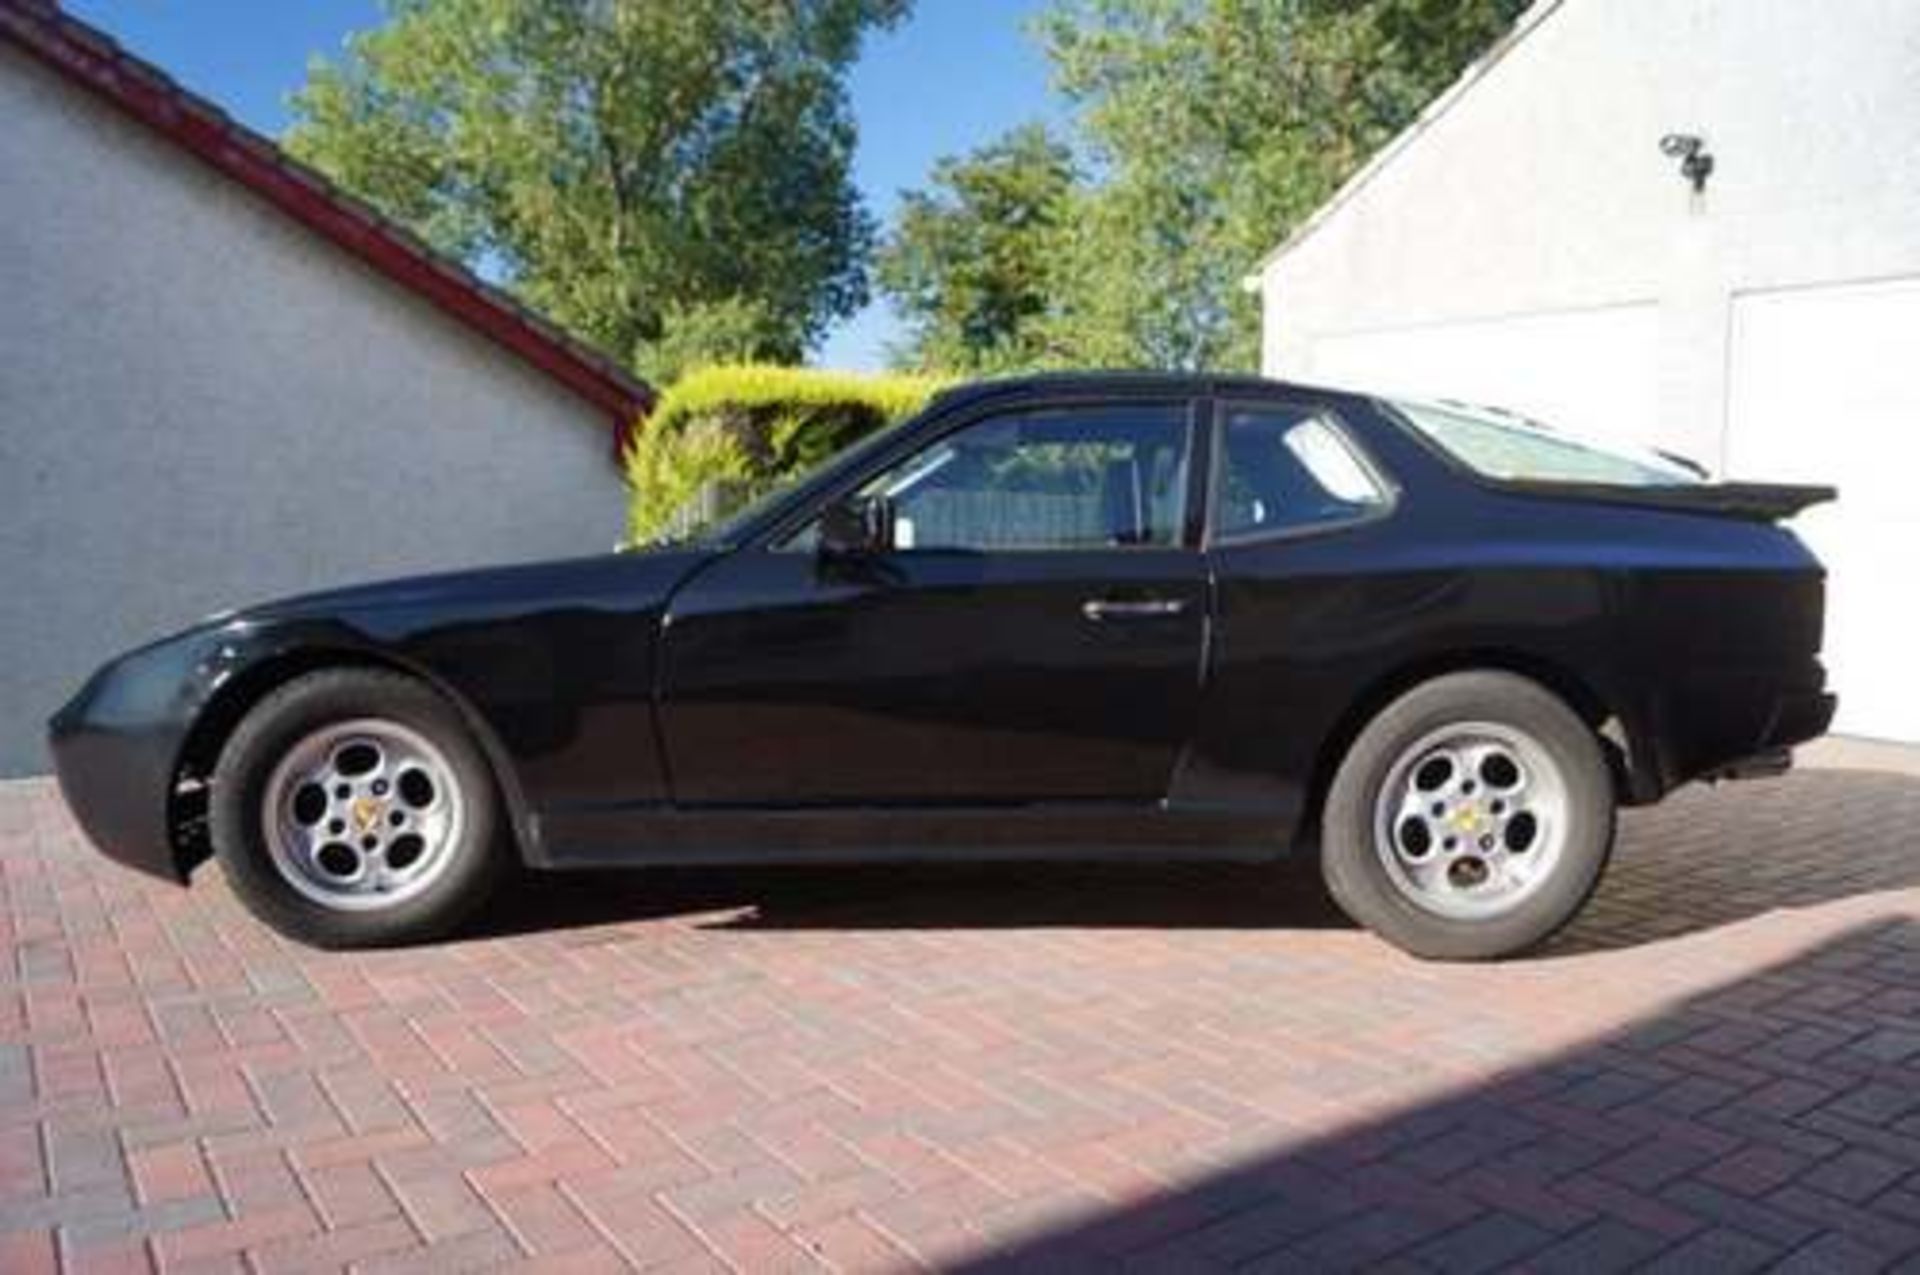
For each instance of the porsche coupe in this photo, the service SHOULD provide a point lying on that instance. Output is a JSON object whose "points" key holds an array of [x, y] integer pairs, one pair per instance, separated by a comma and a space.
{"points": [[1089, 615]]}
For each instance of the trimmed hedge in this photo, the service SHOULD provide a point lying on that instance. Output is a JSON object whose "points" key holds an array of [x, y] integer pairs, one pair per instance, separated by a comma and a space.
{"points": [[745, 429]]}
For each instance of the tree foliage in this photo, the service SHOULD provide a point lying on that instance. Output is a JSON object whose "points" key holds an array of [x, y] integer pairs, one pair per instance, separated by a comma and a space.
{"points": [[971, 261], [749, 429], [1212, 129], [656, 175], [1221, 125]]}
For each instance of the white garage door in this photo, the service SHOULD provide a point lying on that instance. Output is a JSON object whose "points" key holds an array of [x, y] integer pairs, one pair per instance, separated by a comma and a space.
{"points": [[1588, 371], [1826, 388]]}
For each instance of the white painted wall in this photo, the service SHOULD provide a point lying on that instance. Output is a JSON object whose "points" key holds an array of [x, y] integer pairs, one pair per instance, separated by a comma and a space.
{"points": [[1585, 370], [1826, 386], [1527, 244], [201, 404]]}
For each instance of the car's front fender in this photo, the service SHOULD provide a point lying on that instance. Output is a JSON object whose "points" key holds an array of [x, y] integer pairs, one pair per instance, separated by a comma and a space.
{"points": [[552, 665]]}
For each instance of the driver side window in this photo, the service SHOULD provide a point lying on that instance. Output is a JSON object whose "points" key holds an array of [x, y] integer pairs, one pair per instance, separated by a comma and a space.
{"points": [[1059, 479]]}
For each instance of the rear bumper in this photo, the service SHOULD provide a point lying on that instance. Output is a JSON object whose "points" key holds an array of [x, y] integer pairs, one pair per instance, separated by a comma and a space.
{"points": [[1725, 725], [1797, 719], [1800, 717]]}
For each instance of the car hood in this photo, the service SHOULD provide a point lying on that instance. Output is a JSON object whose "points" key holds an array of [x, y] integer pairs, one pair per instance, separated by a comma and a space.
{"points": [[627, 581]]}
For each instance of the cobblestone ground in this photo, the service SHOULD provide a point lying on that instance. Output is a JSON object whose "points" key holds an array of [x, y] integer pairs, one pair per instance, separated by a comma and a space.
{"points": [[1716, 1068]]}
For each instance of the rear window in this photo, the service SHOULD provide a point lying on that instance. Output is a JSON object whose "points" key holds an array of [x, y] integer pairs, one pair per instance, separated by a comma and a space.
{"points": [[1511, 447]]}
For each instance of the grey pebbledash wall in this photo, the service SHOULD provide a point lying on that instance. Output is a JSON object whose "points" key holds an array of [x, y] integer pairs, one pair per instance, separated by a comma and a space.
{"points": [[202, 404]]}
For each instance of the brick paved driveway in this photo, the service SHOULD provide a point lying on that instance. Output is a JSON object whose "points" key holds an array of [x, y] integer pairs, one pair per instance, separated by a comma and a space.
{"points": [[1718, 1068]]}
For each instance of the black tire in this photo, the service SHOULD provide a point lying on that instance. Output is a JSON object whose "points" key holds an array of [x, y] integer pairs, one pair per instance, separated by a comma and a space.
{"points": [[475, 858], [1360, 882]]}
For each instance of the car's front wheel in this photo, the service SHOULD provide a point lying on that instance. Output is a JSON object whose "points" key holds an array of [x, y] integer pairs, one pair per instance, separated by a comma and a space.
{"points": [[352, 808], [1470, 819]]}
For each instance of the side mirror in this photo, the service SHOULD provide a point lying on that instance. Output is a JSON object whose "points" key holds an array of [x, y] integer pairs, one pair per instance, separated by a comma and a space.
{"points": [[856, 527]]}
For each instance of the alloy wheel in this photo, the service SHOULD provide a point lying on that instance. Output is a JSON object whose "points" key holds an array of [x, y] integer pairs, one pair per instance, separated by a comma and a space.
{"points": [[1471, 820], [362, 814]]}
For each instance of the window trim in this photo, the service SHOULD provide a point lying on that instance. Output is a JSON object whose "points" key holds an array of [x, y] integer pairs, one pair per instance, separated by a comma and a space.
{"points": [[1390, 487], [1186, 408]]}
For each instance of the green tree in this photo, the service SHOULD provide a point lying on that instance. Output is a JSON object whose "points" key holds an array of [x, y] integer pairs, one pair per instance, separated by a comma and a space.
{"points": [[971, 261], [1217, 127], [653, 174]]}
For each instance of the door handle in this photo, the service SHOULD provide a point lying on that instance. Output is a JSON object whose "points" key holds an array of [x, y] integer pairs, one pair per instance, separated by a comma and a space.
{"points": [[1100, 610]]}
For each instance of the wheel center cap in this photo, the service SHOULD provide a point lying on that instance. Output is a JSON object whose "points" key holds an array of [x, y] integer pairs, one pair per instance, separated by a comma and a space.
{"points": [[366, 813], [1467, 818]]}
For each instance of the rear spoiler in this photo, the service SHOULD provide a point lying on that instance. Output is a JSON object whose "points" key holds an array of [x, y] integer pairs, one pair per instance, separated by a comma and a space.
{"points": [[1757, 502]]}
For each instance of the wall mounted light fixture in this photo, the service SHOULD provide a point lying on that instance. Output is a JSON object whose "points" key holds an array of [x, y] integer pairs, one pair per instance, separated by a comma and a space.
{"points": [[1696, 164]]}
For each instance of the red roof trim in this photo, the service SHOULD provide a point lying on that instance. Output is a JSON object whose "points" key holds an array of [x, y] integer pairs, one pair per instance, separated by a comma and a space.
{"points": [[92, 60]]}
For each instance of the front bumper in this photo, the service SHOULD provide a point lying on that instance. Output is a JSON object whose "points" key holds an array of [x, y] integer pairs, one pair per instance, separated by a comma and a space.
{"points": [[116, 748]]}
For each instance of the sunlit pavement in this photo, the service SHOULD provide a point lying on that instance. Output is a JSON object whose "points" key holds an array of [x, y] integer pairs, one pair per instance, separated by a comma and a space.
{"points": [[1717, 1068]]}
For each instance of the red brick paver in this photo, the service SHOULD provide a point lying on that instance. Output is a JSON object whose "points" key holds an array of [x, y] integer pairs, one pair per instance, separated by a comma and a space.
{"points": [[1717, 1067]]}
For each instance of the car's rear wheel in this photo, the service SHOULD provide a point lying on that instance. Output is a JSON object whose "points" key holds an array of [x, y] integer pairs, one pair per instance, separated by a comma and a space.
{"points": [[1470, 819], [352, 808]]}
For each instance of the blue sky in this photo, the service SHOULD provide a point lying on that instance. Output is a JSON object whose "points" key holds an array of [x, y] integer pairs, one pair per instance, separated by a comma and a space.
{"points": [[953, 76]]}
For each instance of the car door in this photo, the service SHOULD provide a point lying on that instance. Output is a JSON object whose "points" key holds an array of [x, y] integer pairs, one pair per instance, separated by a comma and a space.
{"points": [[1034, 634], [1315, 580]]}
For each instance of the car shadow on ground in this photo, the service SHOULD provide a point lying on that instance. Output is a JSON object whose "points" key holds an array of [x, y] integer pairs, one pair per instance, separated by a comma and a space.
{"points": [[1699, 1138], [930, 896], [1705, 858]]}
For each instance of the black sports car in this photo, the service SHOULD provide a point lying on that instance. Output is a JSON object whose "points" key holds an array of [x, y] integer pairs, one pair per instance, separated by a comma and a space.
{"points": [[1088, 615]]}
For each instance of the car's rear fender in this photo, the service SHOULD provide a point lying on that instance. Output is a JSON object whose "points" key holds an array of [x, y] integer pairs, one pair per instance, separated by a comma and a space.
{"points": [[1725, 661], [1311, 639], [1622, 738]]}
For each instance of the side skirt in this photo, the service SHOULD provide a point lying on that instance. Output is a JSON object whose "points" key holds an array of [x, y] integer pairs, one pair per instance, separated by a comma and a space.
{"points": [[657, 836]]}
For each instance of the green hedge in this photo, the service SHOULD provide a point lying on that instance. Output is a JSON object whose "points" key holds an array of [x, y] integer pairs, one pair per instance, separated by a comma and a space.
{"points": [[744, 429]]}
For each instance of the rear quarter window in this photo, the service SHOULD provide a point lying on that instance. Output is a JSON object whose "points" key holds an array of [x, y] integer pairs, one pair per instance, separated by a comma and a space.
{"points": [[1285, 469], [1517, 450]]}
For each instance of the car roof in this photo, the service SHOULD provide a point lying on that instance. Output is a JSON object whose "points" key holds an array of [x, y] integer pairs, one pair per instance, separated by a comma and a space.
{"points": [[1085, 384], [1126, 383]]}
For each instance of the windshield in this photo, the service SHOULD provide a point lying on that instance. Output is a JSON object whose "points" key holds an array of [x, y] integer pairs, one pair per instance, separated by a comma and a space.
{"points": [[1510, 447]]}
